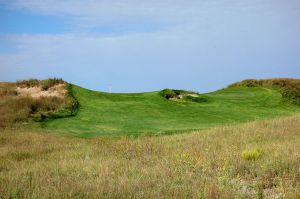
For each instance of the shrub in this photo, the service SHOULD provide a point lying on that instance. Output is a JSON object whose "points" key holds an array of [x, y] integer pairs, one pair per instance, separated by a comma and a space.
{"points": [[48, 83], [168, 93], [252, 154], [72, 102], [196, 99]]}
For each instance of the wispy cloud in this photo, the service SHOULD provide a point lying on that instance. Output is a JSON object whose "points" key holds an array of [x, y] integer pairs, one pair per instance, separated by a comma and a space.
{"points": [[91, 13], [183, 44]]}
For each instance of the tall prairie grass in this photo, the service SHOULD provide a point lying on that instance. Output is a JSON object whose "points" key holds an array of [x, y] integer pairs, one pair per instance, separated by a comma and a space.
{"points": [[204, 164], [45, 84]]}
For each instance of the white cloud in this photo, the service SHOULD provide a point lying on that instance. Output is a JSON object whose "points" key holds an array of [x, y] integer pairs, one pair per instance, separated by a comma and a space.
{"points": [[91, 13]]}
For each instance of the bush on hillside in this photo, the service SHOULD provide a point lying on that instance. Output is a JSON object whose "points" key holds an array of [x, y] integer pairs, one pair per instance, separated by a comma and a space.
{"points": [[196, 99], [289, 88], [48, 83], [168, 93], [72, 102]]}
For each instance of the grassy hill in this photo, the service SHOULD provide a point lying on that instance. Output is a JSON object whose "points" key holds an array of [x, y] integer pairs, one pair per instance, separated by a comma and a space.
{"points": [[108, 114], [258, 159]]}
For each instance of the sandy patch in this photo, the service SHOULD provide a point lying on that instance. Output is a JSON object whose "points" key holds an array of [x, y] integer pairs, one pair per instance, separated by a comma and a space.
{"points": [[35, 92], [183, 95]]}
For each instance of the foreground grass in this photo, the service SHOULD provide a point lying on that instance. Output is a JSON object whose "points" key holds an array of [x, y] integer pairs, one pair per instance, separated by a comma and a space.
{"points": [[107, 114], [253, 160]]}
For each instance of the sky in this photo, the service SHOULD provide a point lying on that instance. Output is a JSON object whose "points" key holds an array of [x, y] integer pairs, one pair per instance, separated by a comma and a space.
{"points": [[148, 45]]}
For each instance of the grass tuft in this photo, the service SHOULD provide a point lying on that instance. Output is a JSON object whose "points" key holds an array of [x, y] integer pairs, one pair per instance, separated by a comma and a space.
{"points": [[252, 154]]}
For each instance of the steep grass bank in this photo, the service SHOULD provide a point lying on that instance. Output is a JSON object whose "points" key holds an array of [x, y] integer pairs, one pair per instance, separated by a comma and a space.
{"points": [[253, 160], [289, 88]]}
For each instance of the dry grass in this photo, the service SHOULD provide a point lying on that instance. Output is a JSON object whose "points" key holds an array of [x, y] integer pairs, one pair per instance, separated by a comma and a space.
{"points": [[206, 164], [16, 107], [58, 90], [44, 84]]}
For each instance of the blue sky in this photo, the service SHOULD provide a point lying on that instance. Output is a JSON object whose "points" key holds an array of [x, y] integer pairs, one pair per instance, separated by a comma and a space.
{"points": [[137, 45]]}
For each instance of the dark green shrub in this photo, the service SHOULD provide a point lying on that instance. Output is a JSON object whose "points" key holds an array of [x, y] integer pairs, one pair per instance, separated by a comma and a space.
{"points": [[72, 102], [168, 93], [199, 99], [184, 92]]}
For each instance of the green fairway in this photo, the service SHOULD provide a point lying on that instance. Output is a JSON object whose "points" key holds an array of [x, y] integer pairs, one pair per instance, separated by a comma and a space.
{"points": [[108, 114]]}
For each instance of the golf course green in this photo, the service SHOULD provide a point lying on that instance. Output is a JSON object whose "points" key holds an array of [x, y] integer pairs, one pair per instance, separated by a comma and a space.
{"points": [[112, 114]]}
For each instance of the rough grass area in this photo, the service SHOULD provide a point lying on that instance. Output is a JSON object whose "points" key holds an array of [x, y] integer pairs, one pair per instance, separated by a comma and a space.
{"points": [[205, 164], [108, 114], [45, 84], [290, 88], [15, 108]]}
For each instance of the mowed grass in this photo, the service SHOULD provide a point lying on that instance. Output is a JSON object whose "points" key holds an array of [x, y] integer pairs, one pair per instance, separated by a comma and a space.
{"points": [[259, 159], [107, 114]]}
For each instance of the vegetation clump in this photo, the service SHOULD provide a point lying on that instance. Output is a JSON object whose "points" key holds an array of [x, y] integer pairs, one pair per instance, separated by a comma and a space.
{"points": [[7, 89], [44, 84], [198, 99], [289, 88], [15, 108], [252, 154], [168, 93], [177, 94], [28, 83]]}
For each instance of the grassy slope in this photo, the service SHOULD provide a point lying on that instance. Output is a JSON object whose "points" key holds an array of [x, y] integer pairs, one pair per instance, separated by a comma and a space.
{"points": [[194, 165], [104, 114]]}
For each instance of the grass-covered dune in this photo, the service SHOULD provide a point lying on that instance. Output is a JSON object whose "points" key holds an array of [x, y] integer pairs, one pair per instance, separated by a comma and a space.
{"points": [[259, 159], [112, 114]]}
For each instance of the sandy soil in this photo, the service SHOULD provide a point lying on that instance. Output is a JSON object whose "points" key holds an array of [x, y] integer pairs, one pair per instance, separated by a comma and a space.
{"points": [[35, 92]]}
